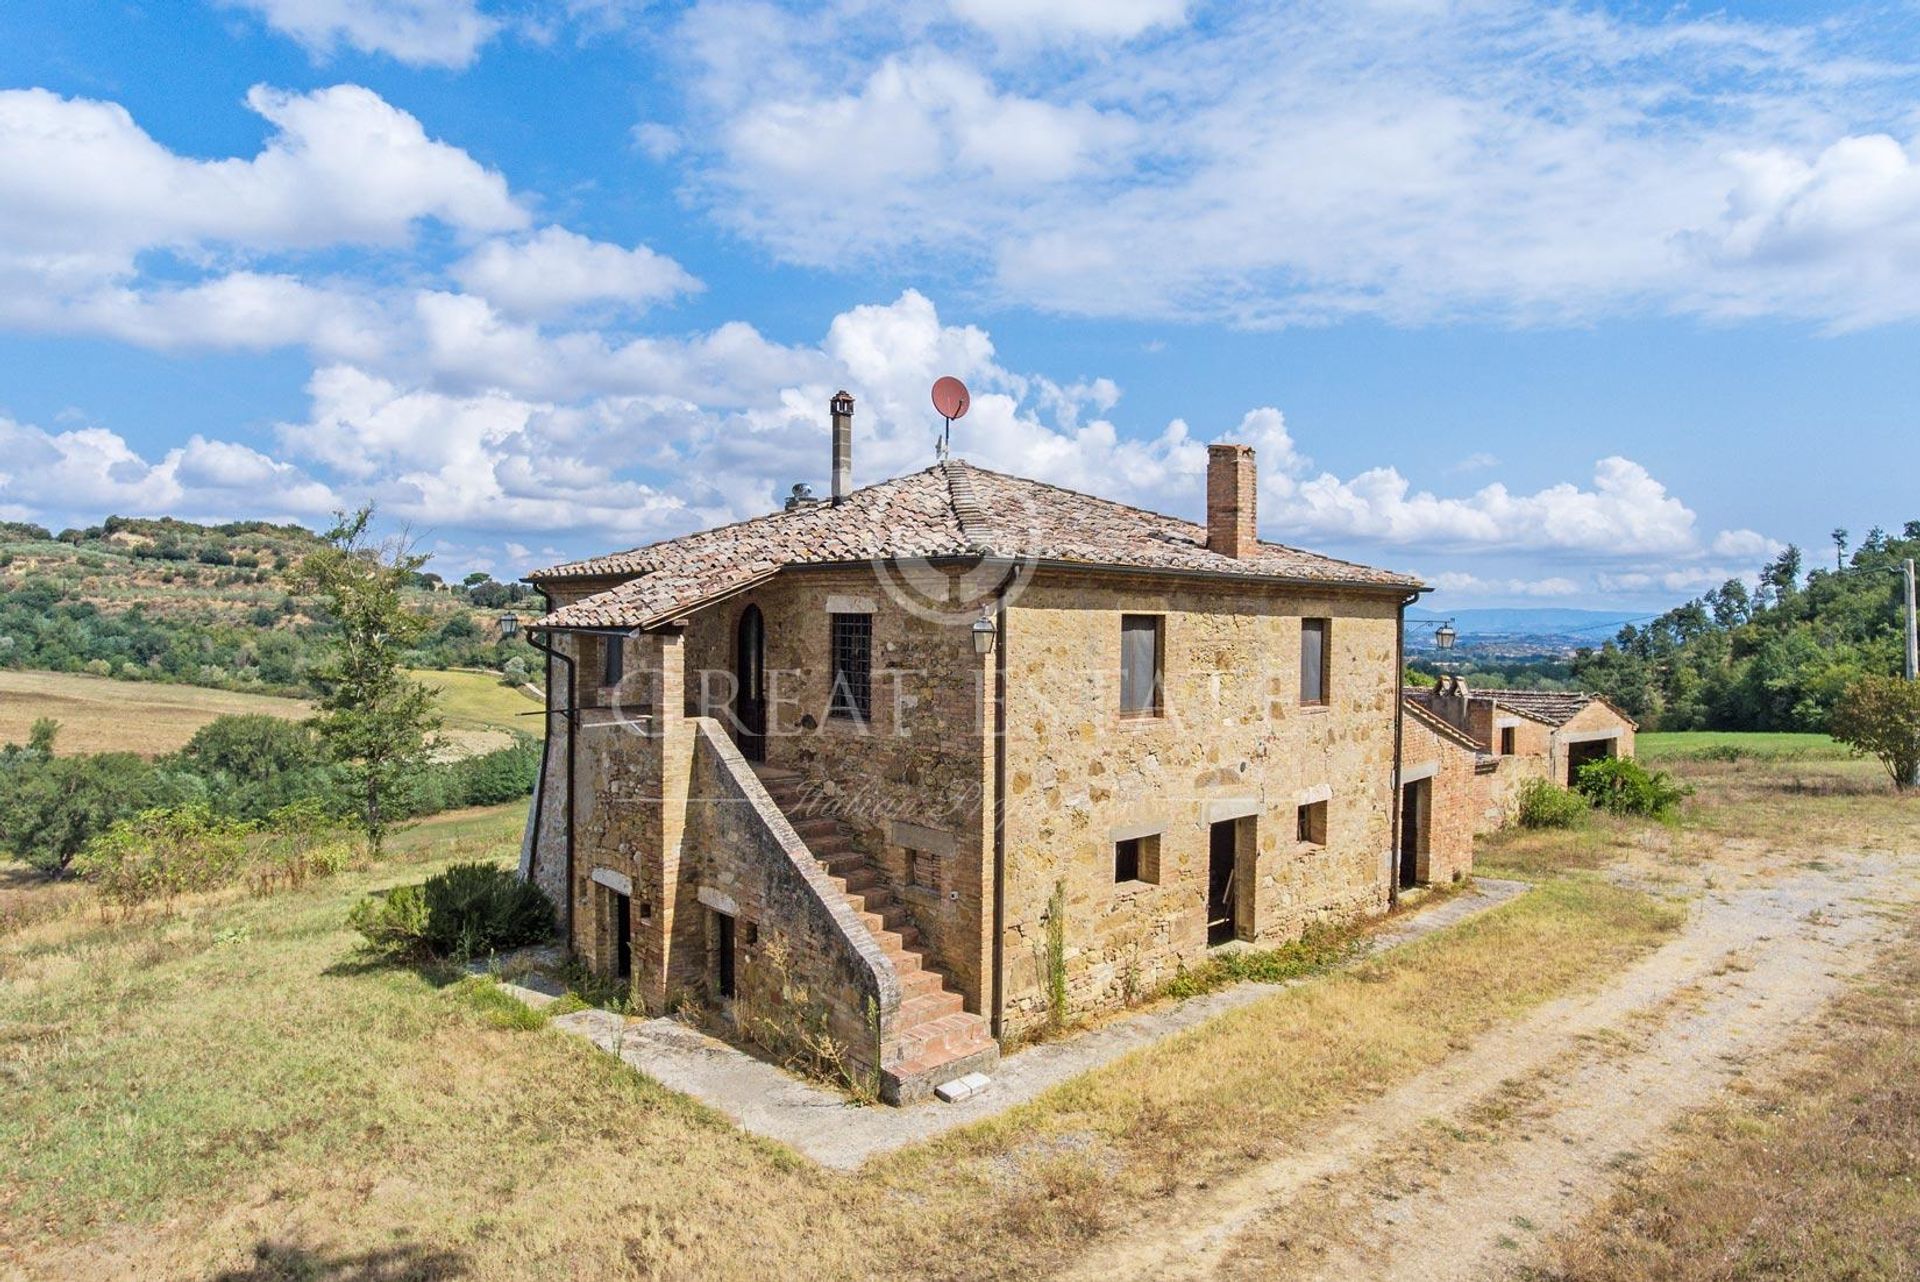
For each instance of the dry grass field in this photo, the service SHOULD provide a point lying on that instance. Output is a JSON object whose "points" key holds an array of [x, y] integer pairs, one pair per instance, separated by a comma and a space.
{"points": [[100, 714], [236, 1091]]}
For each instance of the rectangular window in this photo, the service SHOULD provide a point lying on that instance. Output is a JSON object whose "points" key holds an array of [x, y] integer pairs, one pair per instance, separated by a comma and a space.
{"points": [[1137, 859], [923, 869], [1140, 669], [1506, 741], [1313, 661], [613, 660], [1311, 825], [852, 696]]}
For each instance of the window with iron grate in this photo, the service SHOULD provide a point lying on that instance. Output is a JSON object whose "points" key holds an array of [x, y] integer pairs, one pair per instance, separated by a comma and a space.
{"points": [[852, 697]]}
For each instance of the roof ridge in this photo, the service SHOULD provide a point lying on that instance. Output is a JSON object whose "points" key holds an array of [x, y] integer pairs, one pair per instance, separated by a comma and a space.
{"points": [[975, 528], [761, 519], [1160, 516]]}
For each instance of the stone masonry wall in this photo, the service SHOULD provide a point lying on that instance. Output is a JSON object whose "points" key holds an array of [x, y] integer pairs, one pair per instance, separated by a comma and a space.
{"points": [[919, 773], [1233, 742], [802, 959]]}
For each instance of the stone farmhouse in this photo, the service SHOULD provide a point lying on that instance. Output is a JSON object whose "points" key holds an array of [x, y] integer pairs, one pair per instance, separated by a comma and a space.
{"points": [[1525, 734], [923, 765]]}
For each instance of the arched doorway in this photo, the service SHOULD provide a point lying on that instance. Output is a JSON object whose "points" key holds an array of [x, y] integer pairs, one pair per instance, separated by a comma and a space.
{"points": [[750, 684]]}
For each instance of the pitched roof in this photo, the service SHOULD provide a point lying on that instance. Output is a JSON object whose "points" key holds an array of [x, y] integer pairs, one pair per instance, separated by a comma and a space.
{"points": [[950, 509], [1555, 707]]}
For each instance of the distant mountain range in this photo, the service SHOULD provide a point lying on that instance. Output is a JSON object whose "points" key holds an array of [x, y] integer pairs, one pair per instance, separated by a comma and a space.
{"points": [[1589, 627]]}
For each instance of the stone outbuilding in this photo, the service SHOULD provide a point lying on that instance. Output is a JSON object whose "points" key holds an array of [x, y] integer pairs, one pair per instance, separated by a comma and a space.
{"points": [[920, 767], [1527, 734], [1440, 798]]}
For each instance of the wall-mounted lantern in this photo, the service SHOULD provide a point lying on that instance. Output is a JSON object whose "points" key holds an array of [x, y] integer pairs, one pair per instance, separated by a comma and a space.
{"points": [[509, 625], [1444, 635], [983, 634]]}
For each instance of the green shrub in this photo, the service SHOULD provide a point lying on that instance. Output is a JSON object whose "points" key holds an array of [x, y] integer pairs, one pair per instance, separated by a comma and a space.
{"points": [[159, 854], [1622, 786], [393, 921], [463, 912], [1545, 805]]}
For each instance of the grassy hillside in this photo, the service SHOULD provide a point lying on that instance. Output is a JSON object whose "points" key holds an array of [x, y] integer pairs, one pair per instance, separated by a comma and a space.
{"points": [[99, 714], [172, 601]]}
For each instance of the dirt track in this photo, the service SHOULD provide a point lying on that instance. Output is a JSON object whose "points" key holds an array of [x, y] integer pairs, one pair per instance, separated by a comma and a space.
{"points": [[1463, 1171]]}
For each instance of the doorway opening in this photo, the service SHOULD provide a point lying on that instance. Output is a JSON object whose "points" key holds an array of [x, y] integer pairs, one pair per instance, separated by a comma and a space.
{"points": [[1229, 877], [1416, 826], [1580, 754], [617, 919], [750, 684]]}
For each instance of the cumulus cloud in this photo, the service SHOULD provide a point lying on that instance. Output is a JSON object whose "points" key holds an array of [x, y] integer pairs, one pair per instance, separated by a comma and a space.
{"points": [[86, 472], [421, 33], [555, 270]]}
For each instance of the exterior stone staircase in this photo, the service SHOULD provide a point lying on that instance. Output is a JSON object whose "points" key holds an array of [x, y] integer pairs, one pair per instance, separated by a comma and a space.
{"points": [[939, 1039]]}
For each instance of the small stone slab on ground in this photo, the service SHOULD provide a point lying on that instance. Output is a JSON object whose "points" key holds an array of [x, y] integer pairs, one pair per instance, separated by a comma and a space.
{"points": [[961, 1088], [823, 1125]]}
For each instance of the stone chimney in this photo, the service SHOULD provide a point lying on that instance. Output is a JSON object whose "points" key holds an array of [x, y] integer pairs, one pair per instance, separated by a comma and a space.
{"points": [[1230, 488], [841, 407]]}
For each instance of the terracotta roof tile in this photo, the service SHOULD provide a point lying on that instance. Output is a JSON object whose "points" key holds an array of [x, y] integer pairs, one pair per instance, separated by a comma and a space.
{"points": [[950, 509]]}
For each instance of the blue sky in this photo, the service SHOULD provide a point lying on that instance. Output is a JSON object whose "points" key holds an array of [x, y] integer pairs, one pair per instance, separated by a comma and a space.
{"points": [[1552, 305]]}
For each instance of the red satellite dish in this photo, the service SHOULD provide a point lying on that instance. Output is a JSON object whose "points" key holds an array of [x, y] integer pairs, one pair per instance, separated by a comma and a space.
{"points": [[950, 398]]}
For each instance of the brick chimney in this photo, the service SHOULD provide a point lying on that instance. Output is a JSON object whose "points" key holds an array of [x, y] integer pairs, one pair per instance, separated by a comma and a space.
{"points": [[1230, 488], [841, 407]]}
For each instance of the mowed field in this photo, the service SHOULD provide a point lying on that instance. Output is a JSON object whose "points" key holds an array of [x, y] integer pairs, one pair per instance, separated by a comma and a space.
{"points": [[1681, 745], [479, 714], [238, 1091], [99, 714]]}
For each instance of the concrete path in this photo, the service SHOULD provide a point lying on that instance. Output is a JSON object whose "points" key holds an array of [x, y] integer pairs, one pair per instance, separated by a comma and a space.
{"points": [[821, 1124]]}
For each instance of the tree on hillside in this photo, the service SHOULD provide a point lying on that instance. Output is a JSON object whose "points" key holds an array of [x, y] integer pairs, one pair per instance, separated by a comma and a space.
{"points": [[1880, 716], [374, 720], [1839, 537]]}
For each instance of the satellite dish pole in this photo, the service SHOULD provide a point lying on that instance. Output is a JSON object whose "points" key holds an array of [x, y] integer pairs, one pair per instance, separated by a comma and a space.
{"points": [[951, 400]]}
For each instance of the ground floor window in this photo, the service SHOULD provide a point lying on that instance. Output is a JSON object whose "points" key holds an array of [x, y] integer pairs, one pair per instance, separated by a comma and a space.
{"points": [[1310, 823], [1137, 859]]}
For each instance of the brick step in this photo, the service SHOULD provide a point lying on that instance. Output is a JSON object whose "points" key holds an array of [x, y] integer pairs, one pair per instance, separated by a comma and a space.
{"points": [[864, 878], [827, 849], [917, 983], [910, 961], [941, 1041], [892, 914], [926, 1007], [811, 827]]}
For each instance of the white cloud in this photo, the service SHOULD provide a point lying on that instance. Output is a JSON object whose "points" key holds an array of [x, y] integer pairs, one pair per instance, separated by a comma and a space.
{"points": [[1520, 161], [916, 143], [555, 270], [1103, 19], [83, 189], [1746, 545], [1836, 234], [88, 472], [421, 33]]}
